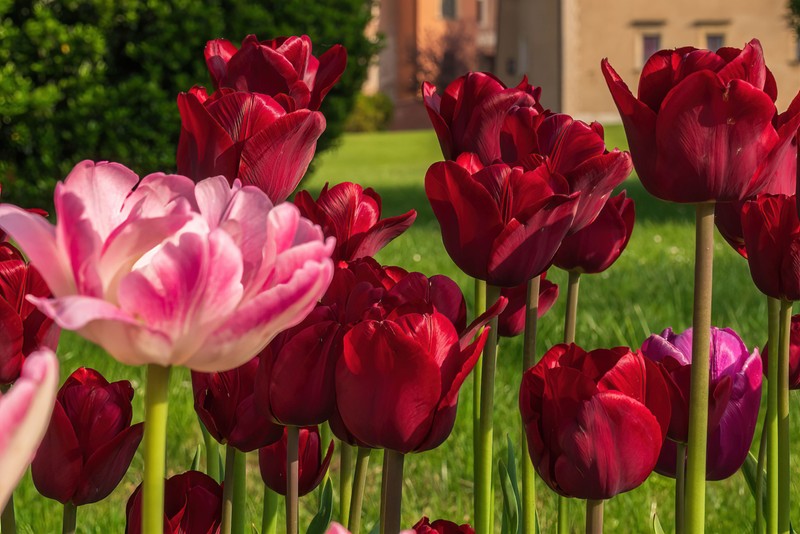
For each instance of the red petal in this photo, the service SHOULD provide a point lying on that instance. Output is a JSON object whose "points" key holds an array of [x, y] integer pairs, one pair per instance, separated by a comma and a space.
{"points": [[58, 463], [331, 66]]}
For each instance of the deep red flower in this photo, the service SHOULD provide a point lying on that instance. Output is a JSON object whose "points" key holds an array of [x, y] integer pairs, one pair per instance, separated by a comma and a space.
{"points": [[352, 215], [511, 322], [500, 224], [794, 354], [282, 68], [225, 404], [24, 328], [192, 505], [772, 239], [248, 136], [90, 442], [595, 421], [704, 126], [441, 526], [594, 248], [469, 116], [312, 466]]}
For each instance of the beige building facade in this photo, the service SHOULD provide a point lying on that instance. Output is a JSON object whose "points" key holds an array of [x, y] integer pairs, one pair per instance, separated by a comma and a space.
{"points": [[559, 43]]}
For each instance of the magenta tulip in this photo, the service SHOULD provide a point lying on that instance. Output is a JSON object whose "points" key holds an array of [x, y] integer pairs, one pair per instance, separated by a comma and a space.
{"points": [[500, 224], [511, 322], [25, 410], [172, 273], [704, 127], [192, 504], [734, 397], [24, 328], [90, 441], [352, 214], [312, 466], [595, 421], [441, 526], [595, 247], [282, 68], [226, 405]]}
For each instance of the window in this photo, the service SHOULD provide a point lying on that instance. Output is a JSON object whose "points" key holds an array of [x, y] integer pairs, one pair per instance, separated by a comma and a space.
{"points": [[448, 9], [797, 50], [651, 43], [481, 14], [715, 41]]}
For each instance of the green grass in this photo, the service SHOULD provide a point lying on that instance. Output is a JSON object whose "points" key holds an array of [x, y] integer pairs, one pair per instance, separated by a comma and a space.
{"points": [[648, 289]]}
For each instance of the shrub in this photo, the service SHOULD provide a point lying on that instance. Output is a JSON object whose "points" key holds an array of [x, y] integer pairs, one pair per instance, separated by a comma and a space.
{"points": [[371, 113]]}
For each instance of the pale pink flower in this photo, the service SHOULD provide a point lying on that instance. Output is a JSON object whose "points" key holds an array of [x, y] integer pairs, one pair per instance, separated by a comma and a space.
{"points": [[24, 414], [172, 272], [336, 528]]}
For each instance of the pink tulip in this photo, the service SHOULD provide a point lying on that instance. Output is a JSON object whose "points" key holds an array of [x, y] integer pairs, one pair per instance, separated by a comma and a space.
{"points": [[24, 414], [172, 273], [336, 528]]}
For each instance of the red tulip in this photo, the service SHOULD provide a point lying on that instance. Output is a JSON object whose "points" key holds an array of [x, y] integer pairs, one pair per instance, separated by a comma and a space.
{"points": [[225, 404], [312, 466], [282, 68], [794, 354], [594, 248], [398, 379], [500, 224], [704, 126], [469, 116], [352, 214], [24, 328], [595, 420], [511, 322], [772, 239], [441, 526], [248, 136], [90, 442], [192, 505]]}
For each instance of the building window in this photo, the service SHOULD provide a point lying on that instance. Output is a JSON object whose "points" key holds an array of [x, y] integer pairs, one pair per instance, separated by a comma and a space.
{"points": [[651, 43], [797, 50], [448, 9], [715, 41], [481, 14]]}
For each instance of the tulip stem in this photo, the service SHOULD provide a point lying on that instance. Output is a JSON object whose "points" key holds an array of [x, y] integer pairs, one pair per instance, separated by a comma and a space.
{"points": [[680, 487], [155, 448], [483, 480], [292, 479], [784, 472], [528, 359], [238, 519], [212, 454], [393, 474], [345, 482], [698, 396], [771, 419], [228, 489], [70, 518], [479, 308], [269, 517], [359, 484], [594, 516], [8, 521], [762, 456]]}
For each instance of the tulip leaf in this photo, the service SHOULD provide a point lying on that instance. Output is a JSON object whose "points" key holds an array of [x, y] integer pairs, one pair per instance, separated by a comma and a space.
{"points": [[376, 528], [512, 505], [750, 471], [196, 459], [319, 524], [657, 529]]}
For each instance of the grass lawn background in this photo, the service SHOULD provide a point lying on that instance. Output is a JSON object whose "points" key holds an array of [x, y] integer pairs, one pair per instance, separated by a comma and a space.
{"points": [[648, 289]]}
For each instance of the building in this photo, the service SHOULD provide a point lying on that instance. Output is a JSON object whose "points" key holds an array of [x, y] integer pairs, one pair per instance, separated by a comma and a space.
{"points": [[559, 43], [428, 40]]}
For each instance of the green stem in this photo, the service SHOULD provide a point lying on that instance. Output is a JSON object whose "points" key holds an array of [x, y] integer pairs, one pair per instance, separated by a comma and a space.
{"points": [[528, 359], [680, 487], [70, 518], [784, 472], [359, 484], [345, 481], [762, 456], [394, 492], [698, 395], [325, 436], [562, 527], [480, 306], [771, 420], [384, 470], [269, 517], [226, 526], [8, 521], [483, 512], [594, 516], [155, 448], [292, 479], [212, 454], [239, 520]]}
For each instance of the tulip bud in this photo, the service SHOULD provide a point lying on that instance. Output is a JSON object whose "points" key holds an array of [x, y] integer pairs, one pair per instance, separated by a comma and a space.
{"points": [[312, 466], [511, 322], [441, 526], [90, 442]]}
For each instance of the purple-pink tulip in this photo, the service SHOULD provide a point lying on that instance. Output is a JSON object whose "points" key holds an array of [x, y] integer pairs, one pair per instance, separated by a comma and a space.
{"points": [[172, 272]]}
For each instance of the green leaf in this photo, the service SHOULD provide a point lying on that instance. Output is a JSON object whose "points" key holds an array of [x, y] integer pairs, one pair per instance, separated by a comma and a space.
{"points": [[376, 528], [657, 524], [750, 471], [319, 524], [196, 459], [512, 504]]}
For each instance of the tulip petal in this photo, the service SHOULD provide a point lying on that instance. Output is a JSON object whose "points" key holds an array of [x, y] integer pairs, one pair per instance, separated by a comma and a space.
{"points": [[56, 469], [218, 52], [432, 105], [203, 142], [331, 66]]}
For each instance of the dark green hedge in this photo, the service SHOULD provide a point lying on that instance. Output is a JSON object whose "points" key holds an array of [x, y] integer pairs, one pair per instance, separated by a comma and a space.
{"points": [[98, 79]]}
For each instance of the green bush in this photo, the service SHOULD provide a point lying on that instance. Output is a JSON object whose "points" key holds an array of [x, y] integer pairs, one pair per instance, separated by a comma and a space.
{"points": [[371, 113], [98, 79]]}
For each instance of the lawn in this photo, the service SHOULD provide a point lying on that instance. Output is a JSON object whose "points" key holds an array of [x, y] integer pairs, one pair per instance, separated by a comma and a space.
{"points": [[648, 289]]}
